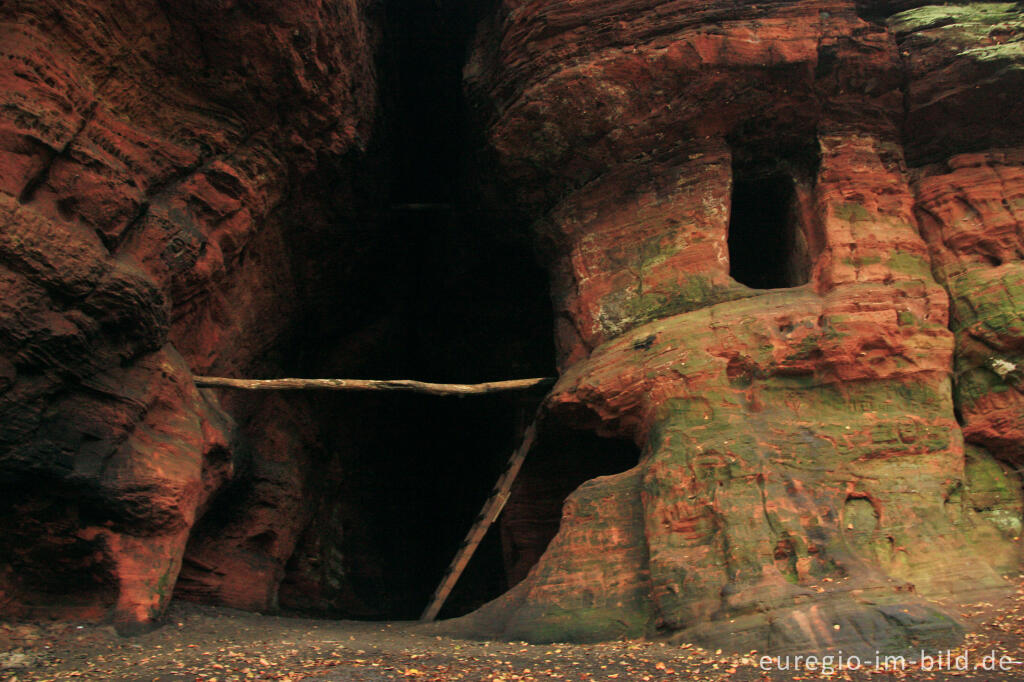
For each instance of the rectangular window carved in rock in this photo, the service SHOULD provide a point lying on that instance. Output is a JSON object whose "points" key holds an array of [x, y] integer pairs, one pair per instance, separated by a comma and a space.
{"points": [[767, 237]]}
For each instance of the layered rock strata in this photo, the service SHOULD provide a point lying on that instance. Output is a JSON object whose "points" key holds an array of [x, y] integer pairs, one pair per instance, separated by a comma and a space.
{"points": [[148, 154], [804, 482]]}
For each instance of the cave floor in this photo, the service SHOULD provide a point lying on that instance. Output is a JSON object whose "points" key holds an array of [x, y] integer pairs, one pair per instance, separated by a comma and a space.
{"points": [[209, 644]]}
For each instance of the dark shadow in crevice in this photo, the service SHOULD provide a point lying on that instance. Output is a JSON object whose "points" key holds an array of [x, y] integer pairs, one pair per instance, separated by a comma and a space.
{"points": [[49, 569], [442, 288], [563, 459]]}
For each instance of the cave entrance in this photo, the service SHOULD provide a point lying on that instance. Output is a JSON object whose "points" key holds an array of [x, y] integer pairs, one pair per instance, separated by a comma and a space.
{"points": [[434, 279], [449, 291], [404, 475], [767, 242], [562, 459]]}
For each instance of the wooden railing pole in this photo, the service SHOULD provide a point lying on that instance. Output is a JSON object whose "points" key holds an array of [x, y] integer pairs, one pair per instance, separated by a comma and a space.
{"points": [[499, 495], [372, 385]]}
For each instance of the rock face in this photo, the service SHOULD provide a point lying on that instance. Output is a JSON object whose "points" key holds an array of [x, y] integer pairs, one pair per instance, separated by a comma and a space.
{"points": [[784, 244], [147, 155], [804, 481]]}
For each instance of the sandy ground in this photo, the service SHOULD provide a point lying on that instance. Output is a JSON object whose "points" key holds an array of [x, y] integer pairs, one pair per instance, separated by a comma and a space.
{"points": [[220, 645]]}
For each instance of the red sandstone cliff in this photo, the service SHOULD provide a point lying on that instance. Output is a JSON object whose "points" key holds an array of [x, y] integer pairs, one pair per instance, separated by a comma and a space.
{"points": [[804, 480], [147, 153], [818, 460]]}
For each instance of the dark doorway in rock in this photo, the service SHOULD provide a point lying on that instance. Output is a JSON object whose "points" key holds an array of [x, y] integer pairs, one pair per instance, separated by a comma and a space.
{"points": [[767, 242], [563, 459]]}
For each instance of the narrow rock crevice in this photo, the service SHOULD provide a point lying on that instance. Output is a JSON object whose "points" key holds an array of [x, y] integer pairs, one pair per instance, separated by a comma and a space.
{"points": [[446, 288]]}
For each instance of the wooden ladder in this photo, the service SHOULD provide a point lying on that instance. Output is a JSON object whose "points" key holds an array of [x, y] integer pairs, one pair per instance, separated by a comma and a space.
{"points": [[487, 516]]}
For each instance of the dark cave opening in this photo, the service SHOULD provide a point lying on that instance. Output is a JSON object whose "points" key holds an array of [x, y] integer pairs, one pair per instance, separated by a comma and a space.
{"points": [[405, 475], [767, 244], [413, 268], [562, 460], [451, 291]]}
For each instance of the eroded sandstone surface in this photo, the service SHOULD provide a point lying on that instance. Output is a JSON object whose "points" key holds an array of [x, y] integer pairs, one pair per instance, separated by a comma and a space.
{"points": [[147, 151], [811, 473]]}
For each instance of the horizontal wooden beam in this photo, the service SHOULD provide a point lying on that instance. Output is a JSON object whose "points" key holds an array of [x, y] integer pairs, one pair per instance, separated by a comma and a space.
{"points": [[421, 207], [372, 385]]}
